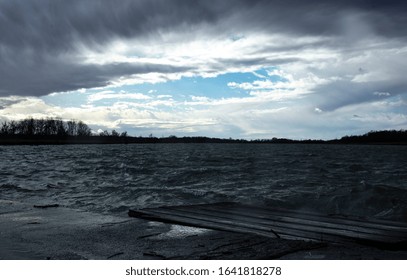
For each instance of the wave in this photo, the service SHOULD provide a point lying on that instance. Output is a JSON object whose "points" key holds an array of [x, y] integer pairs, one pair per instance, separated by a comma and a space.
{"points": [[362, 180], [14, 188]]}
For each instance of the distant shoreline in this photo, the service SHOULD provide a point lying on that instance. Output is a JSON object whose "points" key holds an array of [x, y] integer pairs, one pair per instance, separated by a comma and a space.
{"points": [[58, 132], [14, 140]]}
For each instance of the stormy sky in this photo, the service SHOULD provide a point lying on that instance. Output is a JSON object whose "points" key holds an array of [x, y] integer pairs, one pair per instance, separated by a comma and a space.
{"points": [[235, 68]]}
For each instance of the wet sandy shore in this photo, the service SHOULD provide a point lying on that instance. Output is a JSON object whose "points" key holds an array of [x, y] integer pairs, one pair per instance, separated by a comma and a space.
{"points": [[30, 233]]}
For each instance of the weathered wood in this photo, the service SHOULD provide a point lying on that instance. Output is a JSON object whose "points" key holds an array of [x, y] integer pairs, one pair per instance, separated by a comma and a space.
{"points": [[345, 220], [321, 222], [284, 225], [185, 221], [281, 223], [285, 230]]}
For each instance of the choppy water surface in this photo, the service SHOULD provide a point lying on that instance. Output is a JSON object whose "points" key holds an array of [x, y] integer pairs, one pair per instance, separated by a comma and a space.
{"points": [[340, 179]]}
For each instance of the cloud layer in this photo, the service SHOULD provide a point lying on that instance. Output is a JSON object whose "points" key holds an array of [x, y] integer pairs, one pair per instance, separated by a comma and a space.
{"points": [[324, 58], [45, 43]]}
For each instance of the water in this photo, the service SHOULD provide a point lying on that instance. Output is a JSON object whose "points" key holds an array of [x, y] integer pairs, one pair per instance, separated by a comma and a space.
{"points": [[331, 179]]}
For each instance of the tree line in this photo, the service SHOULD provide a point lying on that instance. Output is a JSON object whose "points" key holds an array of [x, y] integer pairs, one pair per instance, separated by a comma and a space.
{"points": [[45, 127], [383, 136], [372, 137], [51, 130]]}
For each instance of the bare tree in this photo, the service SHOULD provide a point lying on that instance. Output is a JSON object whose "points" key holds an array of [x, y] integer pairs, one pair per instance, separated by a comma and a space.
{"points": [[83, 129], [47, 127], [61, 128], [104, 133], [72, 128], [4, 129]]}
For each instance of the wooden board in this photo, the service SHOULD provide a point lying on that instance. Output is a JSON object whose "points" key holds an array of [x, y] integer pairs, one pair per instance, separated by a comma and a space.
{"points": [[279, 223]]}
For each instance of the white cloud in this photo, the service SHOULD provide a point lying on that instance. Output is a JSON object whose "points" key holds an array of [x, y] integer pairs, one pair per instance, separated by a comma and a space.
{"points": [[203, 99], [248, 117], [113, 95], [280, 85], [164, 96], [378, 93]]}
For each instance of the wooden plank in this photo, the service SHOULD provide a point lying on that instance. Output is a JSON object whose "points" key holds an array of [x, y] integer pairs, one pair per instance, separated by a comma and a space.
{"points": [[357, 226], [367, 222], [323, 234], [277, 220], [275, 231], [215, 219], [396, 233], [194, 222], [278, 223], [209, 224]]}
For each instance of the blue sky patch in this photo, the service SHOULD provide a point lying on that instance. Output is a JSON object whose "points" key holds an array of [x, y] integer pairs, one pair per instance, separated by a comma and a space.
{"points": [[179, 90]]}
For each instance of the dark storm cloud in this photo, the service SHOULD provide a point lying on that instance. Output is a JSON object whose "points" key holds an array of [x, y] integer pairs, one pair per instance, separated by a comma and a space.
{"points": [[35, 35], [45, 74], [317, 17], [55, 24], [49, 25], [339, 94]]}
